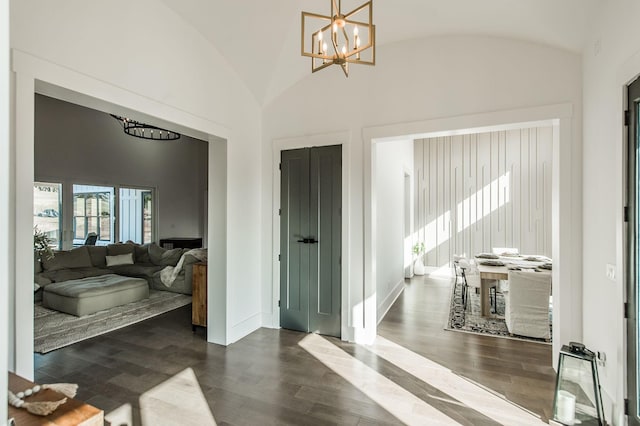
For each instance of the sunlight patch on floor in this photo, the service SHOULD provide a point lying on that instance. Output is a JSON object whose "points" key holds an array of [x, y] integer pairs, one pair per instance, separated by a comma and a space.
{"points": [[176, 401], [399, 402], [121, 416], [468, 393]]}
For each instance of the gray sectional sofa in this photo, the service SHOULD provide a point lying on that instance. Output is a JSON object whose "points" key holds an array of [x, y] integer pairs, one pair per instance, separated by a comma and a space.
{"points": [[91, 278]]}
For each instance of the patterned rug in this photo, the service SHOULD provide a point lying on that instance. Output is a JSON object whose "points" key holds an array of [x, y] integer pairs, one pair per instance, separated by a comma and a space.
{"points": [[54, 330], [472, 321]]}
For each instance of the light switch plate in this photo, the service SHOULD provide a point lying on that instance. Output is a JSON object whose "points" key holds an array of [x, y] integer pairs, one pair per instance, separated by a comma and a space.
{"points": [[611, 272]]}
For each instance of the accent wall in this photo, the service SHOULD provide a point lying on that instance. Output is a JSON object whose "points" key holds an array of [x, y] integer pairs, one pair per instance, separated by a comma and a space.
{"points": [[479, 191]]}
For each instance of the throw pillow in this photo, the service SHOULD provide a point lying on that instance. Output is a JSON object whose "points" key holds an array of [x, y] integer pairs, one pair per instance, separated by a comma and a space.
{"points": [[120, 259], [116, 249], [163, 257]]}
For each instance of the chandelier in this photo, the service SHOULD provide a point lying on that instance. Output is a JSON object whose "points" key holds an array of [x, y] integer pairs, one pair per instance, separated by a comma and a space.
{"points": [[339, 39], [145, 131]]}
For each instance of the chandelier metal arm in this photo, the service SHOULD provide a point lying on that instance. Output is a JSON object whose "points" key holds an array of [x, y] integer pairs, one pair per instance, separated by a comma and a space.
{"points": [[336, 27]]}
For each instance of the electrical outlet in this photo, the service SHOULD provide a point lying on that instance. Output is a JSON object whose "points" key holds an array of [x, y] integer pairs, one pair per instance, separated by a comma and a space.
{"points": [[602, 358], [611, 272]]}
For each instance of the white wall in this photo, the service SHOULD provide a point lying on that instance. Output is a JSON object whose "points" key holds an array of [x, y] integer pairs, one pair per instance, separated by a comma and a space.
{"points": [[479, 191], [393, 161], [422, 80], [147, 55], [74, 144], [4, 201], [610, 61]]}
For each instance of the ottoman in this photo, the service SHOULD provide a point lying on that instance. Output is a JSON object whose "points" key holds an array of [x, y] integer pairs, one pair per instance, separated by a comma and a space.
{"points": [[92, 294]]}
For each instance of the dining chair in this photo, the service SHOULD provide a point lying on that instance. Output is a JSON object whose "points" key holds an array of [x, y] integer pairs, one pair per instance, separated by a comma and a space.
{"points": [[470, 279], [458, 273], [91, 239], [527, 304]]}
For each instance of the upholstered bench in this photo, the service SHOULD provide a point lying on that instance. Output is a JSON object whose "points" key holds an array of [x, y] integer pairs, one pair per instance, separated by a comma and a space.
{"points": [[88, 295]]}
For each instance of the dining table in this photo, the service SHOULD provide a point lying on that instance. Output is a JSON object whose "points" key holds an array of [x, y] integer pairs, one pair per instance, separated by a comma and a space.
{"points": [[489, 274]]}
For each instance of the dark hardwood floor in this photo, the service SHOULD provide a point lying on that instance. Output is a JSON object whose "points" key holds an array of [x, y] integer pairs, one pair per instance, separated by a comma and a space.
{"points": [[287, 377]]}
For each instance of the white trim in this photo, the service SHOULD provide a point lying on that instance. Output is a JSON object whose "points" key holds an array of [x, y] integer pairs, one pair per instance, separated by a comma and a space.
{"points": [[279, 145], [566, 325], [245, 327], [466, 124], [626, 75], [217, 244], [390, 300], [72, 86], [5, 205], [33, 75], [25, 89]]}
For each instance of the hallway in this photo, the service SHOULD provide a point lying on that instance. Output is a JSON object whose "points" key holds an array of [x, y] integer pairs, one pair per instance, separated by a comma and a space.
{"points": [[410, 375]]}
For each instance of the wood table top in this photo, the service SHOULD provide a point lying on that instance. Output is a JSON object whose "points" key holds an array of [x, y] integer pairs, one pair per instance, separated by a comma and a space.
{"points": [[71, 413]]}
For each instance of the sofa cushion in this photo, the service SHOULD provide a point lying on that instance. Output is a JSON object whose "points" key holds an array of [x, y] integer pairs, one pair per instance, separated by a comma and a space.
{"points": [[117, 249], [121, 259], [140, 270], [74, 274], [98, 254], [76, 258], [164, 257], [41, 280], [142, 253]]}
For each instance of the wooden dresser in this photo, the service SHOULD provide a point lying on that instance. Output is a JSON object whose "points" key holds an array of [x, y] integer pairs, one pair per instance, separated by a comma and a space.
{"points": [[71, 413], [199, 302]]}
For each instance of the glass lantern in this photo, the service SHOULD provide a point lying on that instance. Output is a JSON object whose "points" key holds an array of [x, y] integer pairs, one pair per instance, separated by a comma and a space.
{"points": [[577, 400]]}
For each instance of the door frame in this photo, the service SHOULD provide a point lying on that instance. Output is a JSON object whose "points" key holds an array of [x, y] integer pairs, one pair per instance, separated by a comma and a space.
{"points": [[631, 253], [35, 75], [567, 307], [338, 138]]}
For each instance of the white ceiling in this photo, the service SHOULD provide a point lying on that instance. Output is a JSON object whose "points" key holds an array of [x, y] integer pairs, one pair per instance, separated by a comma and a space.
{"points": [[261, 38]]}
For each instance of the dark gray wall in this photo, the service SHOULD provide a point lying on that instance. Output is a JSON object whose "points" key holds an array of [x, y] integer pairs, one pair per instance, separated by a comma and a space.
{"points": [[74, 144]]}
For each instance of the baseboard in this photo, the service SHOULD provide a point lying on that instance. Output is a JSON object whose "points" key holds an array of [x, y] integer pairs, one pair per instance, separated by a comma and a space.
{"points": [[268, 320], [386, 304], [244, 328]]}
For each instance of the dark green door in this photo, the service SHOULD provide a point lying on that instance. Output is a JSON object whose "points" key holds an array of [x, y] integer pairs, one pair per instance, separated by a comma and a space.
{"points": [[311, 239]]}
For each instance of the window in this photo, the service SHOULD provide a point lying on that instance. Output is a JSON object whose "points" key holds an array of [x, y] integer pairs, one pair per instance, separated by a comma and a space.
{"points": [[113, 213], [47, 209], [147, 214], [93, 208], [136, 215]]}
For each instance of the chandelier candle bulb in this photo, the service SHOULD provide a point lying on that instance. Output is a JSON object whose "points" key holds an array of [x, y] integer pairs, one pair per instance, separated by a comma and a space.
{"points": [[347, 46]]}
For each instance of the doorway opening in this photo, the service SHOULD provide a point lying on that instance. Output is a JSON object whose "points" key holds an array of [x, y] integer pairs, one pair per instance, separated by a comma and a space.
{"points": [[34, 76], [565, 322]]}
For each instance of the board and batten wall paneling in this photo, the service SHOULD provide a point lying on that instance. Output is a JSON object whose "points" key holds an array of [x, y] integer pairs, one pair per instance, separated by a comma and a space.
{"points": [[479, 191]]}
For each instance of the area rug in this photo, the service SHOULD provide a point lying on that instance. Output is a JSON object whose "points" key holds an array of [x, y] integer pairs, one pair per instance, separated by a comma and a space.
{"points": [[54, 330], [471, 320]]}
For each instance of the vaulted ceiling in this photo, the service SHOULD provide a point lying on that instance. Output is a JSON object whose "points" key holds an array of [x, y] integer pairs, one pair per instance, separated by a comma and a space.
{"points": [[261, 38]]}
